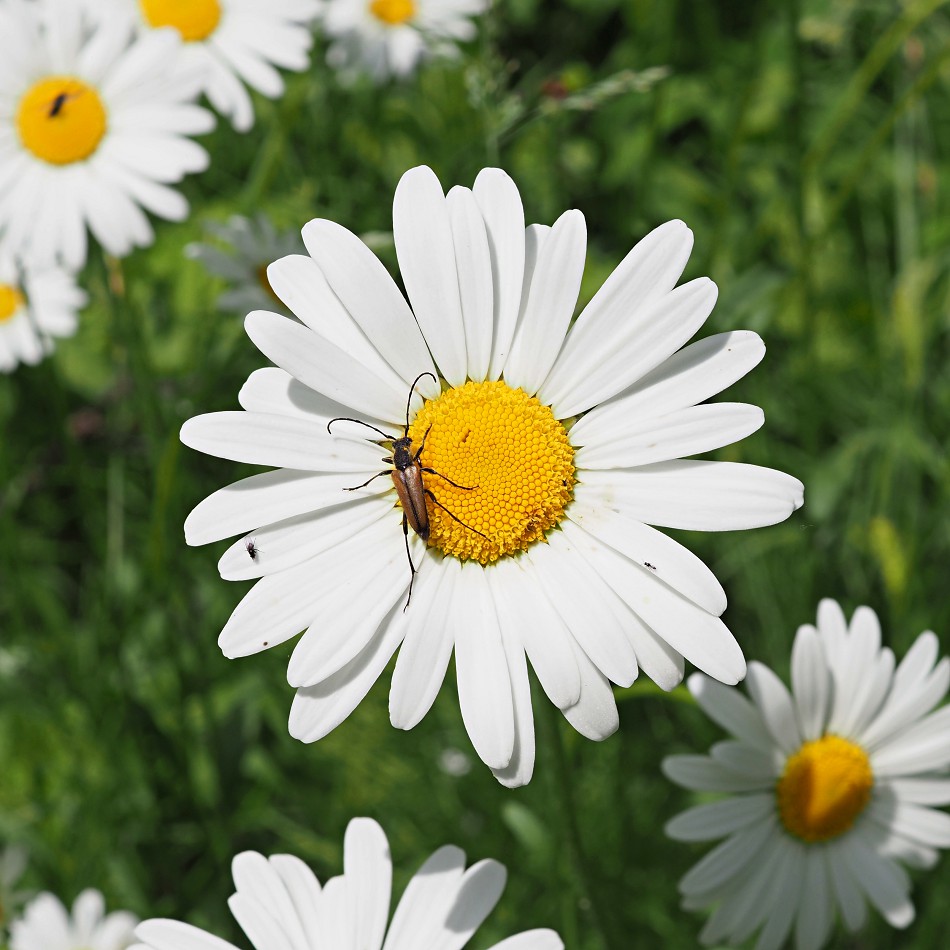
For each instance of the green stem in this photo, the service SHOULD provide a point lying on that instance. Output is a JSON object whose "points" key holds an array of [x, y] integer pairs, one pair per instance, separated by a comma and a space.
{"points": [[585, 878], [647, 689]]}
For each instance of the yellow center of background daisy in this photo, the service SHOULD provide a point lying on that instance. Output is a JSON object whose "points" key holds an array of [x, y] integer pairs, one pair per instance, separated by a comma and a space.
{"points": [[61, 120], [10, 301], [393, 12], [194, 19], [825, 786], [514, 455]]}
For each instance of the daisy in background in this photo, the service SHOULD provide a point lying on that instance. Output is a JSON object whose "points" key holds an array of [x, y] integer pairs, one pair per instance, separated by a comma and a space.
{"points": [[234, 43], [12, 865], [35, 306], [47, 925], [251, 245], [279, 903], [93, 129], [556, 448], [390, 37], [832, 786]]}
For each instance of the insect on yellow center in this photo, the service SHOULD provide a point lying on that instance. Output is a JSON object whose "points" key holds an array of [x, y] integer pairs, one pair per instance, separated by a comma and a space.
{"points": [[826, 784], [194, 19], [61, 120], [393, 12], [514, 456], [10, 302]]}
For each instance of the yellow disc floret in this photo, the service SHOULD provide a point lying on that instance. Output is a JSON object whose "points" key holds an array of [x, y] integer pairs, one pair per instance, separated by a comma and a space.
{"points": [[826, 784], [194, 19], [10, 301], [393, 12], [513, 459], [61, 120]]}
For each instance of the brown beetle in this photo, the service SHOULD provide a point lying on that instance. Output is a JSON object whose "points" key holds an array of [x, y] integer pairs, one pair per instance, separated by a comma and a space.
{"points": [[407, 477]]}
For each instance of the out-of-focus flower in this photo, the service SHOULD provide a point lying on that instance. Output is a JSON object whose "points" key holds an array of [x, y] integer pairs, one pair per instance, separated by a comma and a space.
{"points": [[251, 244], [92, 131], [832, 786], [545, 455], [35, 306], [279, 903], [47, 925], [234, 43], [390, 37]]}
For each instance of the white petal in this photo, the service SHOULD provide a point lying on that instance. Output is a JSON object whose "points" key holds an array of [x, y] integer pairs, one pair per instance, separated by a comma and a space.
{"points": [[484, 683], [845, 888], [727, 706], [531, 940], [774, 703], [702, 774], [810, 682], [884, 883], [258, 883], [426, 253], [703, 496], [816, 908], [164, 934], [364, 287], [473, 260], [727, 859], [594, 715], [368, 870], [481, 887], [520, 768], [555, 283], [719, 819], [500, 204]]}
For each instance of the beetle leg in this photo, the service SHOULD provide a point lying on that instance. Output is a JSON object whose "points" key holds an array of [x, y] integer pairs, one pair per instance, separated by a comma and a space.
{"points": [[422, 445], [368, 480], [412, 567], [453, 517], [432, 471]]}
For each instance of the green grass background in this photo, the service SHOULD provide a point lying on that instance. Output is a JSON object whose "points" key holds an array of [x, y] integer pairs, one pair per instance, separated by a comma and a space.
{"points": [[806, 145]]}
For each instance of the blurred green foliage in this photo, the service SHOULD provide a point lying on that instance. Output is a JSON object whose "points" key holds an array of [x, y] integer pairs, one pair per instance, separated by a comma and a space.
{"points": [[806, 142]]}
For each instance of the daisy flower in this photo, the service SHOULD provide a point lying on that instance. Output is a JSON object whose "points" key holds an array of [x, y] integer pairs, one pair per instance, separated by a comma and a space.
{"points": [[389, 37], [234, 44], [832, 786], [35, 306], [251, 245], [47, 925], [279, 902], [546, 453], [92, 131]]}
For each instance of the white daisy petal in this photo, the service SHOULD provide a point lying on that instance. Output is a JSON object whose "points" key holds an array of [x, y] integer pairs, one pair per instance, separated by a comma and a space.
{"points": [[816, 908], [719, 819], [520, 768], [731, 710], [369, 871], [616, 363], [484, 683], [594, 715], [555, 283], [810, 682], [734, 854], [426, 251], [775, 705], [480, 888], [500, 205], [258, 885], [881, 880], [701, 773], [531, 940], [160, 934]]}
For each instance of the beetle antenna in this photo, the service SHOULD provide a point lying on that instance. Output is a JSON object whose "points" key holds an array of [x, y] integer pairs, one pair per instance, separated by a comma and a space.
{"points": [[359, 422], [412, 389]]}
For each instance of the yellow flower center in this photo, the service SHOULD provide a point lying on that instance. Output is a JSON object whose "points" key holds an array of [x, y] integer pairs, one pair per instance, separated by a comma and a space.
{"points": [[393, 12], [61, 120], [826, 784], [10, 301], [513, 459], [194, 19]]}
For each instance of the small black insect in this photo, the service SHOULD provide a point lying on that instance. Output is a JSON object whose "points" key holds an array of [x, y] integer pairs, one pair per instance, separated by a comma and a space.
{"points": [[57, 105], [252, 548], [407, 477], [649, 565]]}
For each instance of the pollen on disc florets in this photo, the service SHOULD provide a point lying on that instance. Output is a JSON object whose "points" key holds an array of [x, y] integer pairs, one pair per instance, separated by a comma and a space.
{"points": [[513, 456], [195, 20], [61, 120], [393, 12], [825, 786]]}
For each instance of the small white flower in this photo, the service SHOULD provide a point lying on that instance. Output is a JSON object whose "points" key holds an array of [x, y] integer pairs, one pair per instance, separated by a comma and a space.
{"points": [[232, 43], [832, 786], [562, 443], [36, 304], [389, 37], [280, 903], [252, 245], [47, 925], [92, 131]]}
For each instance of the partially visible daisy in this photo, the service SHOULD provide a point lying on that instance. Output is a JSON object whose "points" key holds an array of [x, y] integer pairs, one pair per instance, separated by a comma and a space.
{"points": [[92, 131], [252, 245], [556, 447], [279, 903], [389, 37], [832, 786], [47, 925], [35, 306], [12, 865], [235, 43]]}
